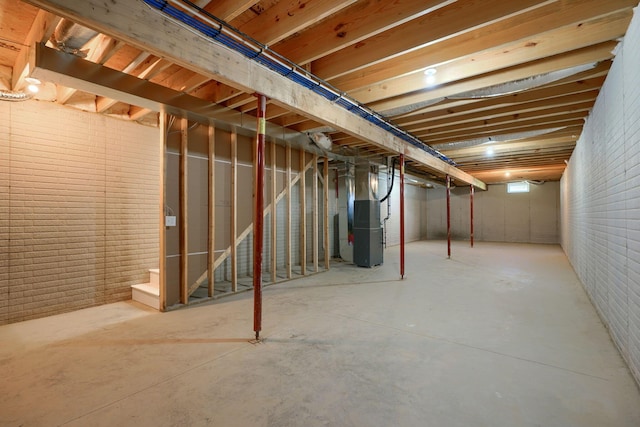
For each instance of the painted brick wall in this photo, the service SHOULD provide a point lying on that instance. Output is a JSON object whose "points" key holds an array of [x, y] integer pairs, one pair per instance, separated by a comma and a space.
{"points": [[498, 216], [414, 198], [79, 203], [600, 202]]}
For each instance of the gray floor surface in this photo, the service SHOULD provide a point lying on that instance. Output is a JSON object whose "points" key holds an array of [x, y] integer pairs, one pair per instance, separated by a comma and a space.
{"points": [[499, 335]]}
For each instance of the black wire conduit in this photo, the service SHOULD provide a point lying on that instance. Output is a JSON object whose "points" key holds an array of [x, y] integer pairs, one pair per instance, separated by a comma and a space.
{"points": [[252, 49]]}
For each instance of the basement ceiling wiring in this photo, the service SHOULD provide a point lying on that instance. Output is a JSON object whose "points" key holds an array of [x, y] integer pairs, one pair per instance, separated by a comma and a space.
{"points": [[256, 51]]}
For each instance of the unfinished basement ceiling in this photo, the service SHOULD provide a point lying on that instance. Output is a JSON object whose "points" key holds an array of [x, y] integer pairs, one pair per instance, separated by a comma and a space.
{"points": [[463, 76]]}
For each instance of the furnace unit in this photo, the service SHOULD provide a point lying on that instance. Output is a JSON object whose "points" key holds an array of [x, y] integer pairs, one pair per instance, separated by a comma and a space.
{"points": [[367, 232]]}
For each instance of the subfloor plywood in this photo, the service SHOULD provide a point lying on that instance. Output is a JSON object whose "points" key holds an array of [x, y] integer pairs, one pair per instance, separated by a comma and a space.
{"points": [[499, 335]]}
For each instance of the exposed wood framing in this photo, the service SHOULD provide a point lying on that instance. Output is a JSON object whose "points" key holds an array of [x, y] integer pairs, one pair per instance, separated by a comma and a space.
{"points": [[325, 187], [162, 237], [274, 212], [103, 47], [211, 203], [303, 214], [163, 37], [103, 103], [315, 213], [42, 28], [234, 213], [184, 224], [245, 233]]}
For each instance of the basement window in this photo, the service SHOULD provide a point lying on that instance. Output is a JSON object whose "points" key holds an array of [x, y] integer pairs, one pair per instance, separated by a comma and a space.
{"points": [[518, 187]]}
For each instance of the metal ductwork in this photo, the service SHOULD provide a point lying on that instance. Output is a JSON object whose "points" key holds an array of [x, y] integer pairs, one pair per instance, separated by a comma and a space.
{"points": [[8, 95], [70, 37], [493, 139], [522, 85]]}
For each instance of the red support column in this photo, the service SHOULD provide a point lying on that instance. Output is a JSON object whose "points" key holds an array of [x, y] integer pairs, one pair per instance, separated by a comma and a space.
{"points": [[471, 199], [402, 216], [448, 216], [258, 217]]}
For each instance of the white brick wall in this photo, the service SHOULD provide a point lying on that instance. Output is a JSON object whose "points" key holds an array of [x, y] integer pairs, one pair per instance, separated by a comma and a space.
{"points": [[600, 202], [414, 198], [78, 207], [498, 216]]}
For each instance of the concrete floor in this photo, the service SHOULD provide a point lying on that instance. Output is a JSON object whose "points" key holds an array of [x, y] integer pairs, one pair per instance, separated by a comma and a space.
{"points": [[501, 335]]}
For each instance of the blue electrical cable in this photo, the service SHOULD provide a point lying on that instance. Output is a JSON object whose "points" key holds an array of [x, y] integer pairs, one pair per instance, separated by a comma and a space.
{"points": [[289, 70]]}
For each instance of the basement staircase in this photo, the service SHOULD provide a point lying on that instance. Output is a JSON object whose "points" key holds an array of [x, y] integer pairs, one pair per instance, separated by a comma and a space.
{"points": [[148, 293]]}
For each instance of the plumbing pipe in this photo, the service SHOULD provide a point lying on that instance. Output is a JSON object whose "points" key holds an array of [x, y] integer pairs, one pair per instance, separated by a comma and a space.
{"points": [[448, 216], [259, 219], [402, 216]]}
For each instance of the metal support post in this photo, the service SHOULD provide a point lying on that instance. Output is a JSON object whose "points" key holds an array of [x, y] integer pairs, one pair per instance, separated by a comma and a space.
{"points": [[402, 216], [448, 216], [259, 218]]}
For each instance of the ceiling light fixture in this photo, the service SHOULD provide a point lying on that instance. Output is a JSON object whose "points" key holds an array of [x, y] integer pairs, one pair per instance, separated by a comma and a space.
{"points": [[431, 75], [507, 174], [33, 84], [489, 151]]}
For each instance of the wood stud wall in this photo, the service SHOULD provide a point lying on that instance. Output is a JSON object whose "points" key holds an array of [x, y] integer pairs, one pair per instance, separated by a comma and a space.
{"points": [[234, 206], [212, 212], [184, 243], [185, 288]]}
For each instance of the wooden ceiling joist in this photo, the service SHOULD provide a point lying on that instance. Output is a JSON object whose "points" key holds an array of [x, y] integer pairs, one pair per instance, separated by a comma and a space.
{"points": [[521, 27]]}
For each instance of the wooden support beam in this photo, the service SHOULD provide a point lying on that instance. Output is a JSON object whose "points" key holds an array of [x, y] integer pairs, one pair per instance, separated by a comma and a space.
{"points": [[162, 237], [359, 22], [104, 103], [274, 213], [525, 26], [589, 55], [303, 214], [211, 204], [234, 212], [41, 29], [163, 37], [554, 46], [325, 187], [315, 213], [102, 48], [286, 18], [227, 10], [288, 179], [184, 223]]}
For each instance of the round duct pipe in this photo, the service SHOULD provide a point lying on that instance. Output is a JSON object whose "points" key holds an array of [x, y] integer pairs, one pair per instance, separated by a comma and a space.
{"points": [[70, 37]]}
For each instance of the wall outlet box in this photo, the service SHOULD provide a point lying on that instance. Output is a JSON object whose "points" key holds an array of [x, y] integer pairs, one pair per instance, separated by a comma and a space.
{"points": [[170, 221]]}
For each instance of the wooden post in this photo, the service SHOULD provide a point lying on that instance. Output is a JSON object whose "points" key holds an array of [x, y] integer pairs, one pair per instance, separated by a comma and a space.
{"points": [[162, 264], [184, 225], [234, 206], [288, 178], [315, 213], [327, 250], [274, 213], [303, 214], [212, 211]]}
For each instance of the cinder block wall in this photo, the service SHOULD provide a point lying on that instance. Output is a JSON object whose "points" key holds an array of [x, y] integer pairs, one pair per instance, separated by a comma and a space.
{"points": [[78, 209], [600, 202], [414, 202], [499, 216]]}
